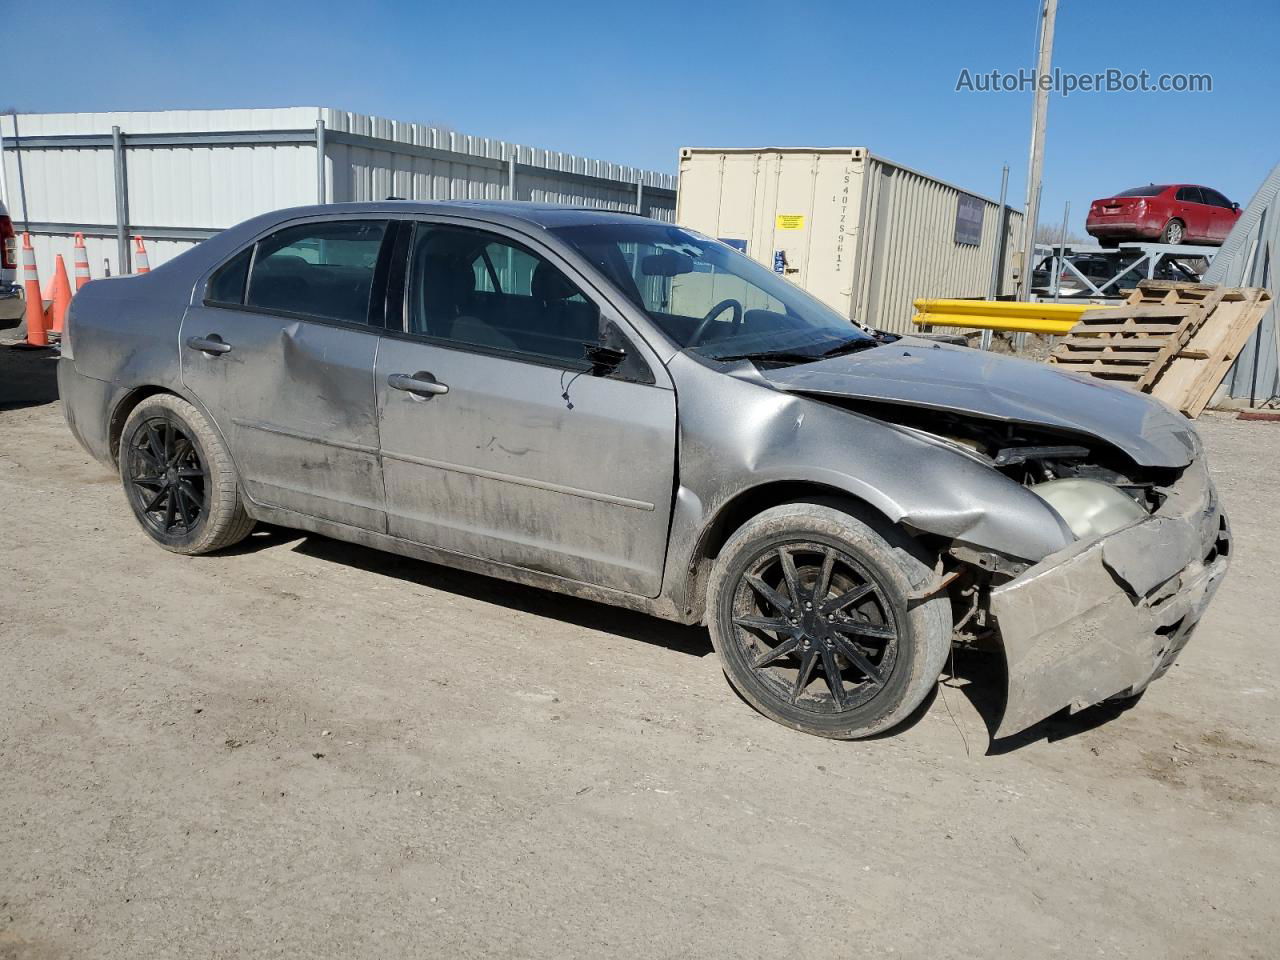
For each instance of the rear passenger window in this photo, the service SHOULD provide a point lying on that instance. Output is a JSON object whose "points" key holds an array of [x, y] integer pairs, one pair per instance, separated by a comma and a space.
{"points": [[318, 269], [227, 285], [481, 290]]}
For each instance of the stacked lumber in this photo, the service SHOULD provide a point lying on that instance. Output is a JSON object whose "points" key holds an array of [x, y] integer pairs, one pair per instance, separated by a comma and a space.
{"points": [[1173, 340]]}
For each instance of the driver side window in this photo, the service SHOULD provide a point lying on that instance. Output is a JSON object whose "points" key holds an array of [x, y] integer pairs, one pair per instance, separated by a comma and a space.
{"points": [[478, 289]]}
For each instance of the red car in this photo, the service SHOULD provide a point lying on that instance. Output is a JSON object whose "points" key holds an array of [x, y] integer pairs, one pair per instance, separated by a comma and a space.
{"points": [[1170, 213]]}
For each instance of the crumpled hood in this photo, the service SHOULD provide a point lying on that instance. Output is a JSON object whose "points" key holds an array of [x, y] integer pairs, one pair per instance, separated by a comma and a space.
{"points": [[922, 373]]}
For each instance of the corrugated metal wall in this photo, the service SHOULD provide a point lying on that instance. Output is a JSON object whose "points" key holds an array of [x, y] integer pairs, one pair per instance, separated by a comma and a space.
{"points": [[376, 171], [908, 249], [1248, 259], [190, 173]]}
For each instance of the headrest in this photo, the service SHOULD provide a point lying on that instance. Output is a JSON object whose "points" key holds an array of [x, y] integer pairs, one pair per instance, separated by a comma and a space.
{"points": [[447, 283], [549, 284]]}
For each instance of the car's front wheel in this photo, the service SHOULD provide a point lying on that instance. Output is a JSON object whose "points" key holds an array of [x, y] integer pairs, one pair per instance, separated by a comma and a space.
{"points": [[179, 478], [811, 613]]}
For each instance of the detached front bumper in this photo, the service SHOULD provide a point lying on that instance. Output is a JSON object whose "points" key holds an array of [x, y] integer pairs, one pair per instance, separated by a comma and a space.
{"points": [[1105, 617]]}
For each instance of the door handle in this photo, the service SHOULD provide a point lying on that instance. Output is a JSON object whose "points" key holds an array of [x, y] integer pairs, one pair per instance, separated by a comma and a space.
{"points": [[421, 385], [212, 345]]}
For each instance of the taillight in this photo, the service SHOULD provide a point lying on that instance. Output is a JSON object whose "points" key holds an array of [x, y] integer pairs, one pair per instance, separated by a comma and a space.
{"points": [[8, 244]]}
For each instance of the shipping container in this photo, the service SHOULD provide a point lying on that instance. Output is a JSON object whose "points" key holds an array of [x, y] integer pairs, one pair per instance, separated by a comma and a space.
{"points": [[176, 177], [862, 234]]}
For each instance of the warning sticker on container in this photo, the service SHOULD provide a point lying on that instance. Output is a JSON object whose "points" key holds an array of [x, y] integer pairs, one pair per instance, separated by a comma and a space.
{"points": [[790, 221]]}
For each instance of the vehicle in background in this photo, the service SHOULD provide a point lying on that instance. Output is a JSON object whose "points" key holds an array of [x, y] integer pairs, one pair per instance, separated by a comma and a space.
{"points": [[1100, 268], [11, 302], [1170, 213], [628, 411]]}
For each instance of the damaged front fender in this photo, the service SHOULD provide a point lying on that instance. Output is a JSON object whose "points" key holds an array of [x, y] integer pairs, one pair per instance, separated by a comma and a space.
{"points": [[739, 432]]}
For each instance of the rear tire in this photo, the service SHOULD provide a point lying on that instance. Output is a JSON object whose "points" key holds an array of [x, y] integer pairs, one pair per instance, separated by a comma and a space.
{"points": [[179, 478], [1175, 232], [798, 649]]}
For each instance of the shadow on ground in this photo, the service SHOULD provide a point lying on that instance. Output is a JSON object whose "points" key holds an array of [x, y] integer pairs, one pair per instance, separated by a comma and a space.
{"points": [[28, 377], [977, 675], [981, 677], [692, 641]]}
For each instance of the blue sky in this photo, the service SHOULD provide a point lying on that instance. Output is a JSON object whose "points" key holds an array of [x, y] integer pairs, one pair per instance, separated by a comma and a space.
{"points": [[634, 82]]}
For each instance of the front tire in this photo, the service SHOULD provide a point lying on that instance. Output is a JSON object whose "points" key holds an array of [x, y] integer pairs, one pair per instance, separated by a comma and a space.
{"points": [[809, 610], [179, 478]]}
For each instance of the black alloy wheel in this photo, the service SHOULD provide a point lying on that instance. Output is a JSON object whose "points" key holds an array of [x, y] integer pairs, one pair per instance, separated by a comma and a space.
{"points": [[168, 480], [815, 626]]}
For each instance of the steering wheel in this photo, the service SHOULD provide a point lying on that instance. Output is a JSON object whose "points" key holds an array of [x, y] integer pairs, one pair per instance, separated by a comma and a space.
{"points": [[705, 323]]}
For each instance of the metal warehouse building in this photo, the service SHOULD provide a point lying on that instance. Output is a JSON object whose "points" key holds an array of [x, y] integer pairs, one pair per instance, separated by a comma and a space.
{"points": [[177, 177]]}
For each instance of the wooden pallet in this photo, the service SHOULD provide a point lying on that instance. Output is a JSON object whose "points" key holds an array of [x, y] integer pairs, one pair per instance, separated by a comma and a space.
{"points": [[1174, 340], [1191, 377], [1132, 344]]}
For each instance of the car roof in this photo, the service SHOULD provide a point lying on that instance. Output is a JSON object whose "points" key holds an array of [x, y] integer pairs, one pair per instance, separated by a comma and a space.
{"points": [[541, 214]]}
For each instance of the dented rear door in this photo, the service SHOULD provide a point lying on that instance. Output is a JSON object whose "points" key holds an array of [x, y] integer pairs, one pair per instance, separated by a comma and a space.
{"points": [[291, 392]]}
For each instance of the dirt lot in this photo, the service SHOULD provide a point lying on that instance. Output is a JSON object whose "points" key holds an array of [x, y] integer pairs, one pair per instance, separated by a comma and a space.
{"points": [[302, 748]]}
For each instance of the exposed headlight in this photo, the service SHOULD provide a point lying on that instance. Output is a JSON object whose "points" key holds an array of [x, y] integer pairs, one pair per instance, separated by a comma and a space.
{"points": [[1090, 508]]}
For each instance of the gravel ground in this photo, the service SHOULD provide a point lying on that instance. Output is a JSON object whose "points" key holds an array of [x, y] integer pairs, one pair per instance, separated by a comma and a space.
{"points": [[304, 748]]}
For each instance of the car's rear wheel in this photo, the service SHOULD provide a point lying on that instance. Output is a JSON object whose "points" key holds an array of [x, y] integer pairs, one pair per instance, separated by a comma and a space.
{"points": [[809, 609], [179, 478], [1174, 232]]}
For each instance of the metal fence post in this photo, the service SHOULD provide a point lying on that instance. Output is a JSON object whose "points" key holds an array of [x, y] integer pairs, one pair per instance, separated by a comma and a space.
{"points": [[22, 186], [320, 186], [640, 198], [511, 172], [122, 201], [4, 182]]}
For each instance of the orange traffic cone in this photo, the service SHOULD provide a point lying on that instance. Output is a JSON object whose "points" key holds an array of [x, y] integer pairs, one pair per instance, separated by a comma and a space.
{"points": [[36, 335], [140, 262], [81, 263], [61, 295]]}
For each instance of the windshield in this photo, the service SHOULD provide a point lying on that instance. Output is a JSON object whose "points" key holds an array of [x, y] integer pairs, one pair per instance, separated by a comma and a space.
{"points": [[709, 298]]}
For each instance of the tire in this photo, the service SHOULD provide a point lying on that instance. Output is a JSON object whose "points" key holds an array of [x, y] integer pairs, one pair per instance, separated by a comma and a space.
{"points": [[173, 462], [1174, 228], [1110, 242], [893, 676]]}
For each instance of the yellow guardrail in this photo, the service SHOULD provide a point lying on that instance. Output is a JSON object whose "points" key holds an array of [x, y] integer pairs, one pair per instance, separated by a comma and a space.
{"points": [[1016, 315]]}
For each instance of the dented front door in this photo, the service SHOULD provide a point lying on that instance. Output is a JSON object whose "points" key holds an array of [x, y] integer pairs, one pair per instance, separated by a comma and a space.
{"points": [[295, 400]]}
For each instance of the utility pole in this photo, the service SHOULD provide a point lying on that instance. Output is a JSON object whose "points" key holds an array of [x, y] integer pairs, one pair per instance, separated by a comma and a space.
{"points": [[1035, 168]]}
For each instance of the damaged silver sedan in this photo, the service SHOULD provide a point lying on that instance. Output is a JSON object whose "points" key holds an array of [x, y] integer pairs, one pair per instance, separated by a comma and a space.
{"points": [[625, 410]]}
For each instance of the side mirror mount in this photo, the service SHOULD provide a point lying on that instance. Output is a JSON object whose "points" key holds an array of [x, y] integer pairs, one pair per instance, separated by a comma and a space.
{"points": [[1235, 207], [603, 359]]}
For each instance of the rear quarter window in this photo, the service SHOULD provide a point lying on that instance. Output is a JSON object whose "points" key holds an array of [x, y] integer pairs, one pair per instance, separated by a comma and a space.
{"points": [[227, 285]]}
